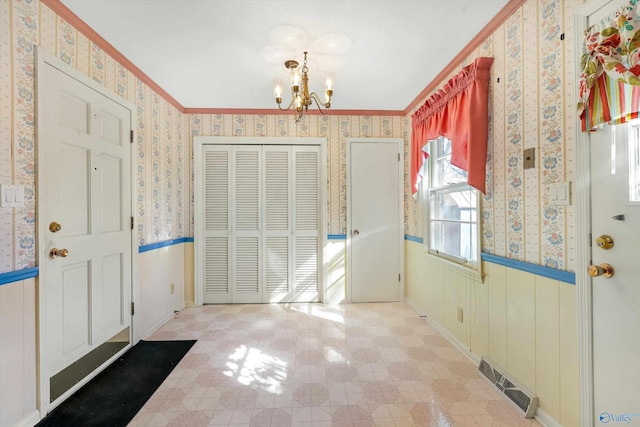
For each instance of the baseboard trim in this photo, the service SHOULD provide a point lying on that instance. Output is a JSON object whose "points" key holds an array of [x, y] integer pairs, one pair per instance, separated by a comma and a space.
{"points": [[545, 419], [445, 333], [156, 325], [30, 420]]}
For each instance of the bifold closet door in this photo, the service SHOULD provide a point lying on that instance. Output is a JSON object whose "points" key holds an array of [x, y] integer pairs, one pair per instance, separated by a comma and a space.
{"points": [[232, 268], [262, 226]]}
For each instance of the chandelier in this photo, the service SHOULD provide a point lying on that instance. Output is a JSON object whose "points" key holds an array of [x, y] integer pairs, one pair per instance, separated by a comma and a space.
{"points": [[301, 99]]}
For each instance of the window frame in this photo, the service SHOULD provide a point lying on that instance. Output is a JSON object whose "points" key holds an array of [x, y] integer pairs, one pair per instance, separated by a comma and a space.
{"points": [[427, 191]]}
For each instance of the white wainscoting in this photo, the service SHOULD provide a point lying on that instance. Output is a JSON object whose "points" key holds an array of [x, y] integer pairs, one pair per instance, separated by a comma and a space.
{"points": [[18, 353]]}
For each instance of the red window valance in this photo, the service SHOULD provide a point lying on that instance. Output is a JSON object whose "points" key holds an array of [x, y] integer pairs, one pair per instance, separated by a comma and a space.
{"points": [[459, 112]]}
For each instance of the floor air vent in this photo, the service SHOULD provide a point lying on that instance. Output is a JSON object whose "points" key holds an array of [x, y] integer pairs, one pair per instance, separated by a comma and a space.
{"points": [[518, 395]]}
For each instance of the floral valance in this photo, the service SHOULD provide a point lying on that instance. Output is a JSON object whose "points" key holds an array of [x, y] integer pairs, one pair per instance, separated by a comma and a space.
{"points": [[459, 112], [611, 46]]}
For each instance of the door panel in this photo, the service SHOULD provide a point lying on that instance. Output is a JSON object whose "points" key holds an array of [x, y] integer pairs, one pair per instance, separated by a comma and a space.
{"points": [[73, 166], [111, 294], [375, 222], [75, 322], [111, 189]]}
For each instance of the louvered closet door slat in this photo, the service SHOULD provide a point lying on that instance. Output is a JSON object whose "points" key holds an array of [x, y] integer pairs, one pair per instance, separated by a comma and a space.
{"points": [[216, 194], [307, 190], [247, 269], [247, 190], [277, 190], [306, 266], [216, 266], [277, 268]]}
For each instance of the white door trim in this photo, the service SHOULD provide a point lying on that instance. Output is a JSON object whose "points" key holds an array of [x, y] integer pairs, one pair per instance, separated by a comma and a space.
{"points": [[200, 141], [400, 143], [583, 229], [42, 60]]}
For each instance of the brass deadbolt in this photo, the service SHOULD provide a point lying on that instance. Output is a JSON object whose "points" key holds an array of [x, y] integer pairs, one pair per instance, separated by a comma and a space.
{"points": [[55, 252], [54, 226], [603, 269], [604, 242]]}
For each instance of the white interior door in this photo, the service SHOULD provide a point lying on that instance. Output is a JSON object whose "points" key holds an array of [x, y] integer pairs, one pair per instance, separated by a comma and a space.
{"points": [[615, 198], [84, 210], [375, 245]]}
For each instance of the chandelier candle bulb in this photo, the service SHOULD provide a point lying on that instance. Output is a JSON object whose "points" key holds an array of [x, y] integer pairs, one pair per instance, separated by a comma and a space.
{"points": [[277, 91]]}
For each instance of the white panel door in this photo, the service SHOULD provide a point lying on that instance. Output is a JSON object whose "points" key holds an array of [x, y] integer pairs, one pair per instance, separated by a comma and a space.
{"points": [[306, 220], [615, 199], [85, 188], [374, 241]]}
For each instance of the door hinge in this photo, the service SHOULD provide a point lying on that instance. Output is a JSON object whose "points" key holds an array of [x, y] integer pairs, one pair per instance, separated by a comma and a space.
{"points": [[398, 277], [133, 308], [131, 136], [132, 223], [398, 156]]}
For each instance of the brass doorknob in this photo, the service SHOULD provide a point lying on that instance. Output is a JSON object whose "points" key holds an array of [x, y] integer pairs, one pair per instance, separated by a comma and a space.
{"points": [[55, 252], [604, 269], [54, 226], [604, 242]]}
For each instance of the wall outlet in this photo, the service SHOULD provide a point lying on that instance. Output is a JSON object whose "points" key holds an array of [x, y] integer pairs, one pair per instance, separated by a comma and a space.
{"points": [[172, 288], [460, 315]]}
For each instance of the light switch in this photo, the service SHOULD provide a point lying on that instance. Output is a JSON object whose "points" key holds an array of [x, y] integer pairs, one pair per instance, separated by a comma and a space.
{"points": [[560, 193], [19, 196], [11, 196]]}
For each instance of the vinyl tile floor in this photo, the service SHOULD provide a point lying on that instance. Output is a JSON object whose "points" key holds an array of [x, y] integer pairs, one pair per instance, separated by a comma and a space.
{"points": [[319, 365]]}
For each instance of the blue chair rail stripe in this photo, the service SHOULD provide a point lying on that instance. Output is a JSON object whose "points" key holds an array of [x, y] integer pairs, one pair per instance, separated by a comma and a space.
{"points": [[413, 239], [540, 270], [158, 245], [337, 237], [15, 276]]}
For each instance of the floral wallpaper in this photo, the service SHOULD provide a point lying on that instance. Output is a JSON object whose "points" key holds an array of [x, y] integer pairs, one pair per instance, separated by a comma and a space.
{"points": [[530, 107], [531, 87], [336, 128], [163, 149]]}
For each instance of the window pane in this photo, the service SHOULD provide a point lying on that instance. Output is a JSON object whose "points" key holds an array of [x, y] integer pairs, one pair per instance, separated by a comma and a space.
{"points": [[454, 205], [454, 238], [444, 172]]}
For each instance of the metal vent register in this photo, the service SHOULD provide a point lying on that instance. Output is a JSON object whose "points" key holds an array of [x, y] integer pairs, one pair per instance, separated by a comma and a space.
{"points": [[518, 395]]}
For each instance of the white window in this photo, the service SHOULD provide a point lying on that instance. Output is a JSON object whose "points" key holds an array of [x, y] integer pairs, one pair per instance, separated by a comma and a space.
{"points": [[451, 209]]}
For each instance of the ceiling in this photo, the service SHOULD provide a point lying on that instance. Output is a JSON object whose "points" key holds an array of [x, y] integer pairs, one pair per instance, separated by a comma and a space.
{"points": [[229, 53]]}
